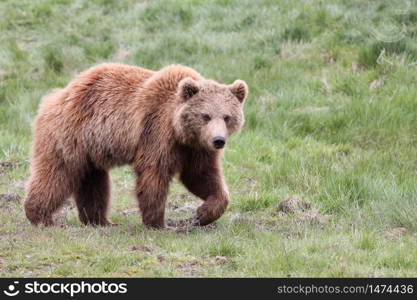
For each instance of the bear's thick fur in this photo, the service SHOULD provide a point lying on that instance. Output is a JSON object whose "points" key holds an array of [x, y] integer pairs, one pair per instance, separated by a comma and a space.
{"points": [[162, 123]]}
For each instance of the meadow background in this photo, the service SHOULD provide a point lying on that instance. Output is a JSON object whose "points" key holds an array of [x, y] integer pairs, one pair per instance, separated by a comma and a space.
{"points": [[323, 177]]}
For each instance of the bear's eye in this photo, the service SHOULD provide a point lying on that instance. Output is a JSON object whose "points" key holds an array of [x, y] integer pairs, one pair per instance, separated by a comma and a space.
{"points": [[206, 117], [226, 119]]}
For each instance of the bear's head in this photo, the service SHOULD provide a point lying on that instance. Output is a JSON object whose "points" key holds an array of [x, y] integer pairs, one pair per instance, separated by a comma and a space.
{"points": [[208, 112]]}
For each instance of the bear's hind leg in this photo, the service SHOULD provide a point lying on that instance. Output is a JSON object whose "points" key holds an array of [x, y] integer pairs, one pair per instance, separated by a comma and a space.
{"points": [[93, 197], [46, 192]]}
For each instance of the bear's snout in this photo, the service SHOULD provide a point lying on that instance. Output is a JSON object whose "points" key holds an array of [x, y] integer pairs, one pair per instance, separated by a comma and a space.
{"points": [[219, 142]]}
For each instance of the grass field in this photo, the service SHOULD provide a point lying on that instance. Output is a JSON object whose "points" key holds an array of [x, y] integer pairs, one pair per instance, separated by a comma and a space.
{"points": [[331, 121]]}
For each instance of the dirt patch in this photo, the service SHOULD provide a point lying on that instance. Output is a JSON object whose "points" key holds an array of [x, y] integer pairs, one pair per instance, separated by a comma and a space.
{"points": [[395, 233], [357, 68], [218, 260], [190, 268], [10, 197], [293, 204], [12, 164], [143, 248], [186, 225], [329, 58], [302, 210], [182, 209], [196, 267], [377, 83], [5, 165]]}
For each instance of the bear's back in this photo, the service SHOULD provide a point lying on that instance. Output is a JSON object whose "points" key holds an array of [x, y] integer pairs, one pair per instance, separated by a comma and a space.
{"points": [[102, 112], [106, 82]]}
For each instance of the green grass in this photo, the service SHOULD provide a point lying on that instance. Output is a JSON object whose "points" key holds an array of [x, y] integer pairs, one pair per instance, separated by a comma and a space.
{"points": [[317, 126]]}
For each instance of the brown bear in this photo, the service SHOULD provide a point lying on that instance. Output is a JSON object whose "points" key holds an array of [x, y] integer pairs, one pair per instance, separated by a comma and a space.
{"points": [[163, 123]]}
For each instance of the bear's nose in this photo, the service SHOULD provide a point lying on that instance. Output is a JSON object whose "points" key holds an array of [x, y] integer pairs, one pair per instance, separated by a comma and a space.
{"points": [[219, 142]]}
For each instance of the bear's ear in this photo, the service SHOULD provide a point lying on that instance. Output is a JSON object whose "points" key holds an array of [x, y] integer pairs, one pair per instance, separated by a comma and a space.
{"points": [[239, 88], [187, 88]]}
